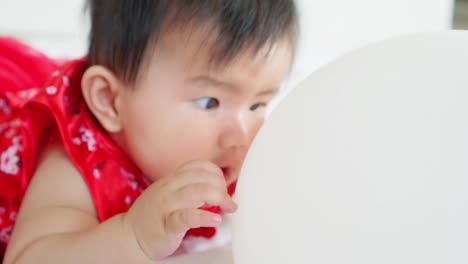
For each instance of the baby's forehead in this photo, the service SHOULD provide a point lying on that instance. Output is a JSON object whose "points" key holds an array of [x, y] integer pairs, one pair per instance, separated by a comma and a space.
{"points": [[187, 55]]}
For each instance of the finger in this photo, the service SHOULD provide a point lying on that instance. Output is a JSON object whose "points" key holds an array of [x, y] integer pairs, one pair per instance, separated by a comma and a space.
{"points": [[205, 165], [166, 187], [182, 220], [200, 194], [194, 175]]}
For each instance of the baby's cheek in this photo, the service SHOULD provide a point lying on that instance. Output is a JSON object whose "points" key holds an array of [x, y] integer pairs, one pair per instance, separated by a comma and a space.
{"points": [[256, 128]]}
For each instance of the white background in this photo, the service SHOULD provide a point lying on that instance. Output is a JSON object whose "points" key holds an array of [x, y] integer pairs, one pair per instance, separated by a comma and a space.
{"points": [[329, 27]]}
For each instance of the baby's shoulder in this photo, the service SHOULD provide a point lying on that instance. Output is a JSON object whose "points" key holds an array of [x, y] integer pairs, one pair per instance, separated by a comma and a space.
{"points": [[57, 181]]}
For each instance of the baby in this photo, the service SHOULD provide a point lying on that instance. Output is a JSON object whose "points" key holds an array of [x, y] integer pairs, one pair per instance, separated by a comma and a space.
{"points": [[116, 158]]}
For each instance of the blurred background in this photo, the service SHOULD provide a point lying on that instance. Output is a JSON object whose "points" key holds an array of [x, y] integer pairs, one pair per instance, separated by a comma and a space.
{"points": [[329, 28]]}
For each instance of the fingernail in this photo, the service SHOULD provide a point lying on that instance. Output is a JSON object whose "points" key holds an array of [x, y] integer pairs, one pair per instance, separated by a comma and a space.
{"points": [[233, 207]]}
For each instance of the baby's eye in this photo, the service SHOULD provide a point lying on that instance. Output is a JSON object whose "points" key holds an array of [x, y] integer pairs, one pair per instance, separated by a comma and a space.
{"points": [[256, 106], [207, 102]]}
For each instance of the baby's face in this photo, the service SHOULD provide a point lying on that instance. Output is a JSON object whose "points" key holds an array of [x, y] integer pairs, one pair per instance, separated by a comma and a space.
{"points": [[184, 109]]}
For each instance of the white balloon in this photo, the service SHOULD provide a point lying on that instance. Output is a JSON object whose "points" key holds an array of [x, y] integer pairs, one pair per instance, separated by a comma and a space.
{"points": [[365, 162]]}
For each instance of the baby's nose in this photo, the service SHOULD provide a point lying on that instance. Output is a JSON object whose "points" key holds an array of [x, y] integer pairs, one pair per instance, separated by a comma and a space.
{"points": [[237, 132]]}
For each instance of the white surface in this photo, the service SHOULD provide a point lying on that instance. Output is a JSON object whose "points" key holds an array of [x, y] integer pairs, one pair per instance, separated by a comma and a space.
{"points": [[365, 162], [214, 256]]}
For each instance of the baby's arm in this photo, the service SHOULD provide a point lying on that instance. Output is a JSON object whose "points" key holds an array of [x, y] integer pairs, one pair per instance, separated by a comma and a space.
{"points": [[57, 222]]}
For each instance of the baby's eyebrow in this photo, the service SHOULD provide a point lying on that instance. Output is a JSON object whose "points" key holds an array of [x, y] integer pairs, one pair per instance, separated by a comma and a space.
{"points": [[208, 80], [268, 92]]}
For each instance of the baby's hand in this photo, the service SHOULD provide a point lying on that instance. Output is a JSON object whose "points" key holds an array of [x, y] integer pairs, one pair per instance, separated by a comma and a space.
{"points": [[160, 217]]}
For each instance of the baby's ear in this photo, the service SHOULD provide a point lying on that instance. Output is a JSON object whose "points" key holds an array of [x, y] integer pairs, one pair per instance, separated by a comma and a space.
{"points": [[101, 89]]}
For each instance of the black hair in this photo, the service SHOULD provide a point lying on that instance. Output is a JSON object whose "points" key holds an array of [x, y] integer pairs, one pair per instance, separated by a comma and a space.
{"points": [[122, 31]]}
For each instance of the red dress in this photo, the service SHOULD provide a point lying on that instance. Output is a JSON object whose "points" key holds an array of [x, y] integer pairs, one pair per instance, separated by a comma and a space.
{"points": [[40, 99]]}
